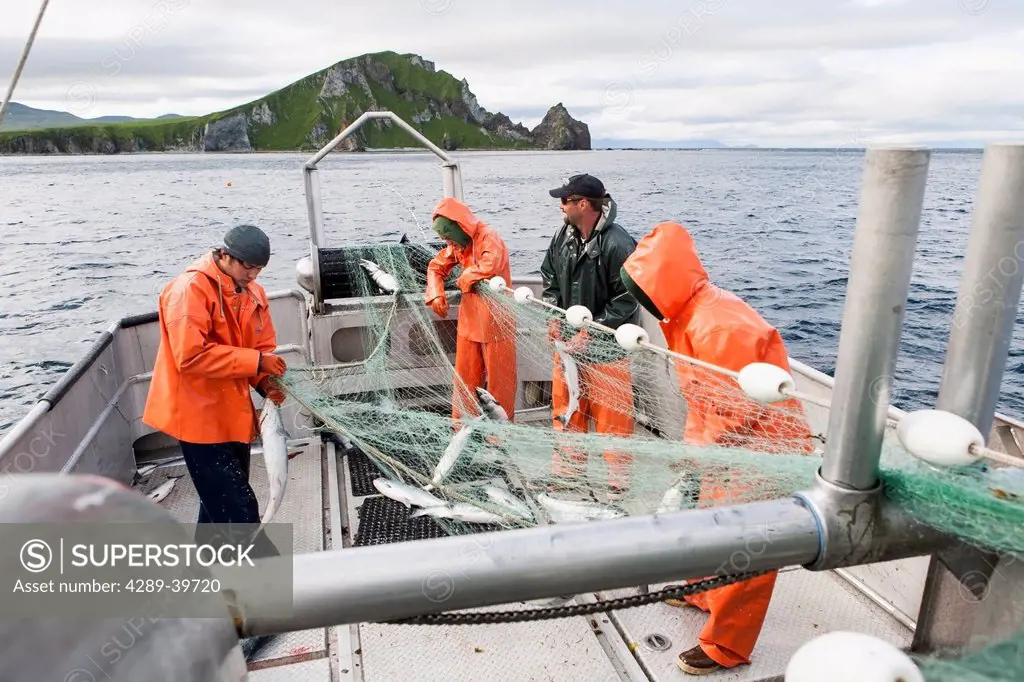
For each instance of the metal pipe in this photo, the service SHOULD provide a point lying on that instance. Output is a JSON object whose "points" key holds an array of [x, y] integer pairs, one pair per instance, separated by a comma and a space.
{"points": [[101, 420], [317, 235], [356, 124], [452, 180], [385, 582], [20, 430], [314, 208], [891, 197], [5, 105], [972, 372], [420, 137], [448, 177], [329, 147], [990, 289]]}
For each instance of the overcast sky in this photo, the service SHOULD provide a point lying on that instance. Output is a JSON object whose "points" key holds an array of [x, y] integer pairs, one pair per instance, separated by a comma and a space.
{"points": [[785, 72]]}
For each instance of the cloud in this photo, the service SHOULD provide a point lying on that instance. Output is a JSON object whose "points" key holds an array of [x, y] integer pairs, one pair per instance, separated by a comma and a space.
{"points": [[790, 72]]}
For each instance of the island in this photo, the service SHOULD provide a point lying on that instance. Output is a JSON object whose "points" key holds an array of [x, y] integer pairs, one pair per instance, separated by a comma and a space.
{"points": [[308, 113]]}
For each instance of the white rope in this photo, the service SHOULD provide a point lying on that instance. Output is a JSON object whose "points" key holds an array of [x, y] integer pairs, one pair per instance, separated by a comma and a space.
{"points": [[665, 352], [21, 63], [996, 456], [978, 451]]}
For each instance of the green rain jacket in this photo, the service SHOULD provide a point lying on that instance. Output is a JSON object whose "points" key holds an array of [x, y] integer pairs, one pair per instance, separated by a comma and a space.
{"points": [[587, 273]]}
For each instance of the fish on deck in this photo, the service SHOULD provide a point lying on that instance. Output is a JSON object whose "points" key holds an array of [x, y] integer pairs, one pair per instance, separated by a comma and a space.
{"points": [[460, 511], [451, 454], [406, 494], [571, 511], [504, 498], [163, 490]]}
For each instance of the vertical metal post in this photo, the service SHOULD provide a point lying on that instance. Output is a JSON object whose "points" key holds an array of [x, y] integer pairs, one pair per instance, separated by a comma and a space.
{"points": [[892, 194], [452, 180], [990, 288], [314, 209], [317, 236], [979, 340]]}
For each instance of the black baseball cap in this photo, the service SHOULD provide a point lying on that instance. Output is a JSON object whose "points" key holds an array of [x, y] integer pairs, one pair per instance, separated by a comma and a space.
{"points": [[582, 185]]}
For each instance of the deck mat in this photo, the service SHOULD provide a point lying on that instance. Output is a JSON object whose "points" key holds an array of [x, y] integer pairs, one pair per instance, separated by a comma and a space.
{"points": [[361, 473], [362, 470], [383, 520]]}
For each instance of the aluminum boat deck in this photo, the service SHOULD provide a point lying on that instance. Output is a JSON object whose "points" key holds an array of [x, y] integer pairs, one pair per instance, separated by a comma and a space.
{"points": [[331, 504]]}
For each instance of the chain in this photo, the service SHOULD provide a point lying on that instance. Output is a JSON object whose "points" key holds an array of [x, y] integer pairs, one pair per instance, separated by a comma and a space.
{"points": [[493, 617]]}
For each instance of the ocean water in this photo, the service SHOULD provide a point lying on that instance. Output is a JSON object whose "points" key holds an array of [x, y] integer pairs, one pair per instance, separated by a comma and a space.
{"points": [[87, 240]]}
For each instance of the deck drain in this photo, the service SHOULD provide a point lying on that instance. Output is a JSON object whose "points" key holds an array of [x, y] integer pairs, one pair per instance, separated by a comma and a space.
{"points": [[656, 642]]}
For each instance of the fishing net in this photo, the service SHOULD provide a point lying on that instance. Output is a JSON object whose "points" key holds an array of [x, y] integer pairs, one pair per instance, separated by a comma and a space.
{"points": [[623, 449], [641, 433]]}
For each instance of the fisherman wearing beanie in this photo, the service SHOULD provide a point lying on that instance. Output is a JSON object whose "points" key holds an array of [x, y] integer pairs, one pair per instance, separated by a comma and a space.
{"points": [[485, 352], [216, 343]]}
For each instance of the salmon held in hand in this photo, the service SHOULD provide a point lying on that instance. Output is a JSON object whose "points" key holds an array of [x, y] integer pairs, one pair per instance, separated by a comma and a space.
{"points": [[275, 456]]}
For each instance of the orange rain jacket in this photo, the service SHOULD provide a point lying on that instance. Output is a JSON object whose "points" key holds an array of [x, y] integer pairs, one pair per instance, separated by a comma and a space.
{"points": [[486, 258], [717, 327], [211, 338]]}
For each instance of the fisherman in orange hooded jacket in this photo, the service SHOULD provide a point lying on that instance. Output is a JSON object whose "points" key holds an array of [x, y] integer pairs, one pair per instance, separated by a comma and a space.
{"points": [[664, 274], [216, 341], [485, 351]]}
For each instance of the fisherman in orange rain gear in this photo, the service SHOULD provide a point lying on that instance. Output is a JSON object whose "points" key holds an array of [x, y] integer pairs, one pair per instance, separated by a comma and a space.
{"points": [[216, 342], [665, 275], [485, 351]]}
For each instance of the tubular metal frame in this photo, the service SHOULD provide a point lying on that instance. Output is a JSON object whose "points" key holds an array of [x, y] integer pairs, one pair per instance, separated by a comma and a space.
{"points": [[976, 355], [452, 177]]}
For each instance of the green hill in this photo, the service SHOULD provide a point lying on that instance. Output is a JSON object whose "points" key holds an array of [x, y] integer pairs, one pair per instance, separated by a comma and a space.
{"points": [[308, 113], [21, 117]]}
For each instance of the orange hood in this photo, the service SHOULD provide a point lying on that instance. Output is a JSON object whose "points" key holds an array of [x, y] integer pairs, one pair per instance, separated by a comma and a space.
{"points": [[665, 266], [453, 209]]}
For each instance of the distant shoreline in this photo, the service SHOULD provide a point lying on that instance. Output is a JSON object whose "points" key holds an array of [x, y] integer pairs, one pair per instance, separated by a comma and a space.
{"points": [[421, 150]]}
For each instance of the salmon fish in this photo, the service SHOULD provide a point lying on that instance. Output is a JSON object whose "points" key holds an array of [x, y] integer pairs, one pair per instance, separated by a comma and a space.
{"points": [[163, 490], [406, 494], [275, 456], [451, 454], [572, 382], [384, 280], [571, 511], [460, 511], [490, 406]]}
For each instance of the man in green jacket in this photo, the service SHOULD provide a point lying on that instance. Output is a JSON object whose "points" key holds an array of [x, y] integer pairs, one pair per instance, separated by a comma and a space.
{"points": [[581, 267]]}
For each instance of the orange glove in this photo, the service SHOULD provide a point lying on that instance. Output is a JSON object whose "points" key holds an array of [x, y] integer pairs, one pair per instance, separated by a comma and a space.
{"points": [[271, 364], [271, 391], [439, 304]]}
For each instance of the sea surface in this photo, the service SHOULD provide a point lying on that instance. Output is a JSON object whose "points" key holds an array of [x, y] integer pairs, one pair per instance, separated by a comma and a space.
{"points": [[86, 240]]}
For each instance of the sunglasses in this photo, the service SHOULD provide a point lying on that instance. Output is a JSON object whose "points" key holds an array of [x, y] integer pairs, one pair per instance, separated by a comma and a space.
{"points": [[572, 199]]}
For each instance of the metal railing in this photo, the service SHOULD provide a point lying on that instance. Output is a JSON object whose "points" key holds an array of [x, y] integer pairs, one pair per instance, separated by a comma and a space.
{"points": [[452, 177]]}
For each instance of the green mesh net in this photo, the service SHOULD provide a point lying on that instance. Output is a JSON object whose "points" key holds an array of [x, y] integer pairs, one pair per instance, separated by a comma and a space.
{"points": [[639, 433]]}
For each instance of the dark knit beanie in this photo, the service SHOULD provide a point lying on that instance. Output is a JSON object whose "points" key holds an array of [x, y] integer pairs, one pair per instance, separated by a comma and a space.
{"points": [[248, 243]]}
